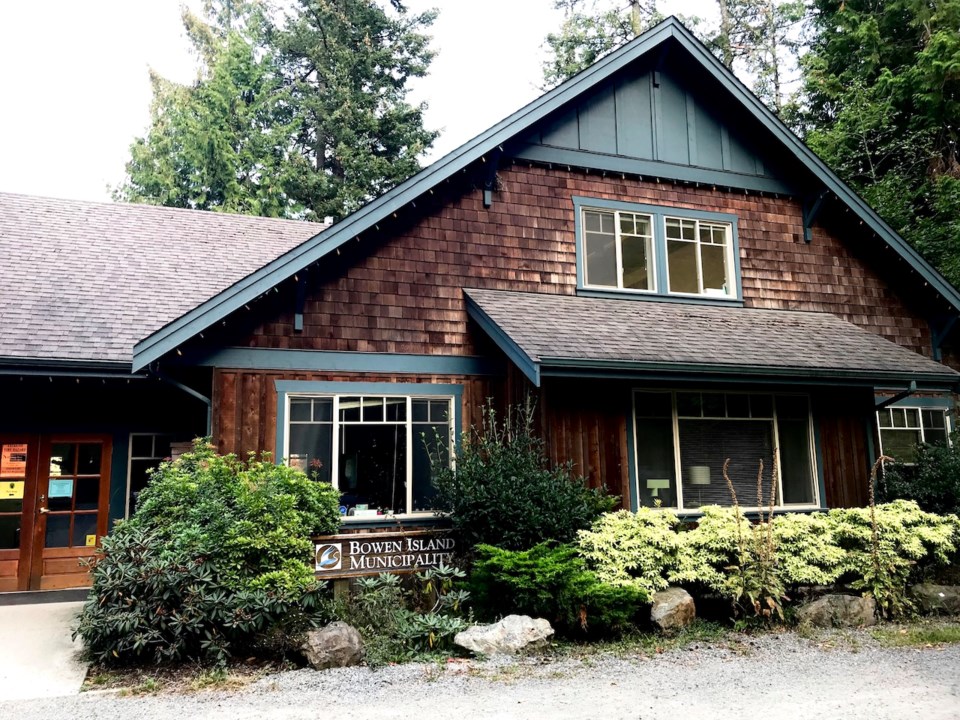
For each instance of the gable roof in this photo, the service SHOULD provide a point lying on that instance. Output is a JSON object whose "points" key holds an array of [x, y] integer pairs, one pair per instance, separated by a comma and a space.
{"points": [[670, 30], [570, 335], [107, 274]]}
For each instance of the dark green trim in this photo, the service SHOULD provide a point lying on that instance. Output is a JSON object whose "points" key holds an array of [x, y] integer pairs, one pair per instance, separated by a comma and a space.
{"points": [[883, 402], [651, 169], [528, 366], [934, 403], [280, 359], [670, 30]]}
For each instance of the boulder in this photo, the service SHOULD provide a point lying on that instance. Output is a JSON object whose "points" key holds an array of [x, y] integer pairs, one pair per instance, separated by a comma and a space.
{"points": [[336, 645], [672, 609], [937, 599], [510, 635], [839, 611]]}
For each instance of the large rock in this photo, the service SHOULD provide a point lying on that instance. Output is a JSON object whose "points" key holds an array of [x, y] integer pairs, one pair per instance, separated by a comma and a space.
{"points": [[672, 609], [839, 611], [510, 635], [937, 599], [336, 645]]}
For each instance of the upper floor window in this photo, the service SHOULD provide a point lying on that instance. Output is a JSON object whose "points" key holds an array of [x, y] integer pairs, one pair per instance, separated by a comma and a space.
{"points": [[658, 251]]}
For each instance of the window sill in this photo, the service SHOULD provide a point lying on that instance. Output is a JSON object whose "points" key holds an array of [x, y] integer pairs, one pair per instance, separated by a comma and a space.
{"points": [[643, 295]]}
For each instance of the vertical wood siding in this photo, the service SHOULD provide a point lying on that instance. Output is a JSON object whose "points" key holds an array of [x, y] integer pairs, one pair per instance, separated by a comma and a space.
{"points": [[843, 420]]}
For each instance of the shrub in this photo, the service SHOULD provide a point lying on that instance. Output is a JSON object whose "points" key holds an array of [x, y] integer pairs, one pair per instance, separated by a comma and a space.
{"points": [[503, 492], [907, 542], [400, 623], [807, 551], [632, 549], [216, 557], [553, 582], [933, 482]]}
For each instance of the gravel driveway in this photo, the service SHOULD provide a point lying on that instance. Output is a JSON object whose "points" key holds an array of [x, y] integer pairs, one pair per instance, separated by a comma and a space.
{"points": [[773, 677]]}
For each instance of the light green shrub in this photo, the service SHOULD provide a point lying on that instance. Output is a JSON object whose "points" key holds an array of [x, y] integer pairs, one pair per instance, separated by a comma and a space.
{"points": [[807, 551], [707, 551], [632, 549]]}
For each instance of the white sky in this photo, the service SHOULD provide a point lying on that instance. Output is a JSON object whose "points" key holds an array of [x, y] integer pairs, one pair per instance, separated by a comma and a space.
{"points": [[74, 88]]}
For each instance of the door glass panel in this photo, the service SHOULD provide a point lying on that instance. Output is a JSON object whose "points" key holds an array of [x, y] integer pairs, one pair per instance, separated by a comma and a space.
{"points": [[58, 531], [88, 494], [88, 459], [62, 459], [84, 526], [142, 445], [9, 532]]}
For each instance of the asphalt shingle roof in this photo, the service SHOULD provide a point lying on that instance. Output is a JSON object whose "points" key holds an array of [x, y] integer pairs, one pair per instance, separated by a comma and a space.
{"points": [[85, 281], [564, 330]]}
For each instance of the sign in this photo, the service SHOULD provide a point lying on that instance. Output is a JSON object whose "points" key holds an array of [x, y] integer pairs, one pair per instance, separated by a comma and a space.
{"points": [[13, 461], [372, 553], [60, 488], [91, 540], [11, 490]]}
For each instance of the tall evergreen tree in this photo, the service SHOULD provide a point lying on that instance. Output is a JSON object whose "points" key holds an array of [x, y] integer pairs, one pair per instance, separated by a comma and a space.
{"points": [[881, 105], [304, 117]]}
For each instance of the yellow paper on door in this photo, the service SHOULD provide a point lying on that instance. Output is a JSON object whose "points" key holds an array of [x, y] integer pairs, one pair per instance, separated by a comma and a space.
{"points": [[11, 490], [91, 540]]}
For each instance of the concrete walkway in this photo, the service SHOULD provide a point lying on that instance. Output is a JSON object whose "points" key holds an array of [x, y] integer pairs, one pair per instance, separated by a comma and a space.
{"points": [[37, 657]]}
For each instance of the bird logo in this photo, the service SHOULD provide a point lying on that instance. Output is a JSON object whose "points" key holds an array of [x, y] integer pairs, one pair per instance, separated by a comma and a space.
{"points": [[328, 556]]}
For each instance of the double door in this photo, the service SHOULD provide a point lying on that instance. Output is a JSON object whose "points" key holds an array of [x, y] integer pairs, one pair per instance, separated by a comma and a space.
{"points": [[54, 498]]}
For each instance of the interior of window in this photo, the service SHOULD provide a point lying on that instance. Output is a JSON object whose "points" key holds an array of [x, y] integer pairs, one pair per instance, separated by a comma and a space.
{"points": [[902, 429], [684, 438]]}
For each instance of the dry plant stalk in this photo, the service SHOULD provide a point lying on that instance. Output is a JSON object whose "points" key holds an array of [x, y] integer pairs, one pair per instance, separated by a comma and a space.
{"points": [[871, 491]]}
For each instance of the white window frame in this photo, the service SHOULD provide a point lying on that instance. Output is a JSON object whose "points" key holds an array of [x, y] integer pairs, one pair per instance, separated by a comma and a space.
{"points": [[618, 249], [676, 418], [947, 424], [728, 263], [131, 458], [335, 437]]}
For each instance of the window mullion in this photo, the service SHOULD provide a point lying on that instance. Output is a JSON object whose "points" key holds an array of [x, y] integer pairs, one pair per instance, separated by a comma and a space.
{"points": [[676, 451], [335, 443], [618, 249], [699, 246], [409, 454], [776, 456]]}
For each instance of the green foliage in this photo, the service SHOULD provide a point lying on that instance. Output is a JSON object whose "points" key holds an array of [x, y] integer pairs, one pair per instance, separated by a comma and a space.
{"points": [[907, 541], [157, 602], [553, 582], [933, 482], [217, 556], [303, 115], [807, 551], [881, 95], [632, 549], [400, 623], [503, 492]]}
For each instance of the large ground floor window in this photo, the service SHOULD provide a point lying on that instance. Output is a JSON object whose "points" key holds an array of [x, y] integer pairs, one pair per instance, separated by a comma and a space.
{"points": [[377, 450], [682, 439]]}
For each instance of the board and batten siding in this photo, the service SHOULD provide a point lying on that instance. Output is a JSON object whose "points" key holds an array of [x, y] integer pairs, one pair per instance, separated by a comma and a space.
{"points": [[403, 293]]}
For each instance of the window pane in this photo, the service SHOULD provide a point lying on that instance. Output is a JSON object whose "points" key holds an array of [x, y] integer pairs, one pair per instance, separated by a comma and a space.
{"points": [[913, 417], [682, 261], [396, 409], [884, 418], [421, 410], [311, 449], [60, 494], [655, 462], [933, 436], [934, 419], [738, 406], [439, 411], [713, 405], [795, 461], [349, 409], [323, 410], [637, 271], [601, 254], [141, 445], [900, 444], [761, 406], [373, 409], [88, 494], [792, 407], [653, 404], [58, 531], [713, 261], [84, 526], [899, 420], [689, 405], [430, 443], [627, 224], [373, 467], [300, 409], [9, 532], [139, 477], [706, 444], [88, 460], [62, 459]]}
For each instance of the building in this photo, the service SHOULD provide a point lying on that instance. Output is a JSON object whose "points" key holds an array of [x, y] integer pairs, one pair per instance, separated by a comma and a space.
{"points": [[647, 251]]}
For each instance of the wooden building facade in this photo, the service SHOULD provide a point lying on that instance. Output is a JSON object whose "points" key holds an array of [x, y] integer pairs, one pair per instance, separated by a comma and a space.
{"points": [[645, 252]]}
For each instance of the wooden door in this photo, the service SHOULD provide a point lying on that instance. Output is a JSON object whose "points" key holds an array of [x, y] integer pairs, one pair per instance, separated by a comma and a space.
{"points": [[72, 491], [18, 492]]}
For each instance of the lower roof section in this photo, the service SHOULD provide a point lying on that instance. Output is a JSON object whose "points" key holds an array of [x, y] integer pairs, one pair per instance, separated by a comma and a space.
{"points": [[567, 335]]}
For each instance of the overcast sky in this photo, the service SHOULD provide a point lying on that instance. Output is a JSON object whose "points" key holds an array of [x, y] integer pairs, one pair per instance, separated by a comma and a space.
{"points": [[75, 89]]}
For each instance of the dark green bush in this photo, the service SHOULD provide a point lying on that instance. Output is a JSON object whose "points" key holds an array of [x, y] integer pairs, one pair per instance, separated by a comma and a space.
{"points": [[502, 491], [933, 482], [217, 558], [552, 582]]}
